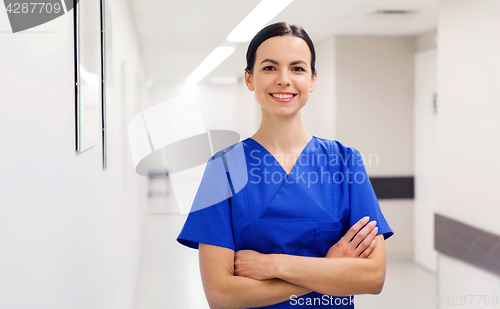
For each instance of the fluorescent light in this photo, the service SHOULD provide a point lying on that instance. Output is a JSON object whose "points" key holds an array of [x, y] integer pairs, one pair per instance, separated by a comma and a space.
{"points": [[211, 62], [257, 19], [224, 80]]}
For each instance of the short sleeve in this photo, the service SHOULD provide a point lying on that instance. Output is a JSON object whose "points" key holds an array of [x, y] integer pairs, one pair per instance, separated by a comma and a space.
{"points": [[209, 220], [363, 201]]}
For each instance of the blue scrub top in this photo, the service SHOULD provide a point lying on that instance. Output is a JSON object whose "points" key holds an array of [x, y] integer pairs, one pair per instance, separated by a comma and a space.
{"points": [[246, 200]]}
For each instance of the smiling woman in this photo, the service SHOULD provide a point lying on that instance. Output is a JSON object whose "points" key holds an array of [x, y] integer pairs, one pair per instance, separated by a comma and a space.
{"points": [[299, 231], [285, 77]]}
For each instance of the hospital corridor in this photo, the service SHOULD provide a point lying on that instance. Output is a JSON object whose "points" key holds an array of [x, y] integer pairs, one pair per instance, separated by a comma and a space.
{"points": [[145, 143]]}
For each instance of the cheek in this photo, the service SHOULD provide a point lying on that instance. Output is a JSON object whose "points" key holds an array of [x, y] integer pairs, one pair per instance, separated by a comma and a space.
{"points": [[302, 82], [262, 83]]}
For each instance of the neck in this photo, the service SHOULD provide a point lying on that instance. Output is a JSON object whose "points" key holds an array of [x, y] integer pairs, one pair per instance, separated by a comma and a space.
{"points": [[282, 134]]}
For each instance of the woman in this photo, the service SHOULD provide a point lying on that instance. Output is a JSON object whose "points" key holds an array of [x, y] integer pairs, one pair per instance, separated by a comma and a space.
{"points": [[297, 231]]}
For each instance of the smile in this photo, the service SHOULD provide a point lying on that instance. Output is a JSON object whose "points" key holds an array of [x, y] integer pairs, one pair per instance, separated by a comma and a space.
{"points": [[282, 96]]}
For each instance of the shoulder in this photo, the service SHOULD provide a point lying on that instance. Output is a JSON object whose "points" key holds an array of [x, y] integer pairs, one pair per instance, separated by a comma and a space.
{"points": [[224, 150], [228, 151], [338, 148]]}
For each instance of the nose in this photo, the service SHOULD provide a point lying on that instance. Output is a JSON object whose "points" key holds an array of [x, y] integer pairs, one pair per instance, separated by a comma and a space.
{"points": [[283, 79]]}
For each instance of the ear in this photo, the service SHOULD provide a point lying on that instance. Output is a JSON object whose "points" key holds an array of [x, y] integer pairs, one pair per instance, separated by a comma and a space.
{"points": [[249, 81], [313, 81]]}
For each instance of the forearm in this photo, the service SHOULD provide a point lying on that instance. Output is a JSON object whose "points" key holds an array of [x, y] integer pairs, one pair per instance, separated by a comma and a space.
{"points": [[241, 292], [331, 276], [335, 276], [224, 289]]}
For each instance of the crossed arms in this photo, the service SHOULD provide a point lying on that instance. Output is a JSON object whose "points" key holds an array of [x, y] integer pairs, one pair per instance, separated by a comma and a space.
{"points": [[248, 279]]}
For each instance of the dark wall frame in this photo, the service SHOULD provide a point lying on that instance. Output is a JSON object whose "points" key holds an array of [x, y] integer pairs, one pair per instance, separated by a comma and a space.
{"points": [[394, 187], [87, 17], [467, 243], [103, 84], [86, 49]]}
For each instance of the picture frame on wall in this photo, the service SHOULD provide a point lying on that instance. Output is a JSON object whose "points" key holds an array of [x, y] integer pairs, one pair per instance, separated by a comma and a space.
{"points": [[106, 72], [88, 73]]}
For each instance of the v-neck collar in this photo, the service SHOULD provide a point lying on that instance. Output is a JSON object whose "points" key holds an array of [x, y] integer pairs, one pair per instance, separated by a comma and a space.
{"points": [[276, 161]]}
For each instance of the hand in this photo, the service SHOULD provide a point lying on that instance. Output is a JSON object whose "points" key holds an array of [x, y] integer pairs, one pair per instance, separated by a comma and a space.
{"points": [[252, 264], [360, 246]]}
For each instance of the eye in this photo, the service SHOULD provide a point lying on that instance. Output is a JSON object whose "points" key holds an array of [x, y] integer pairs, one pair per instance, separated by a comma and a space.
{"points": [[268, 68], [299, 69]]}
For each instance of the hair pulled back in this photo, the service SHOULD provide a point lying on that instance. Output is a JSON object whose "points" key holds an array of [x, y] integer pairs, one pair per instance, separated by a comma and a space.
{"points": [[278, 29]]}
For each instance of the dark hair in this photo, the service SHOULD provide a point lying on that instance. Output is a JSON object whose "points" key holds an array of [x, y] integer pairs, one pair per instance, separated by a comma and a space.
{"points": [[278, 29]]}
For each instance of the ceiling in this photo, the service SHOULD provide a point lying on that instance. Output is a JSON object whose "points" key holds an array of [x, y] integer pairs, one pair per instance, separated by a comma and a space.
{"points": [[175, 36]]}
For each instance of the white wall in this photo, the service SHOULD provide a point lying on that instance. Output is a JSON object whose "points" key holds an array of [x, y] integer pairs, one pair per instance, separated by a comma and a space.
{"points": [[425, 150], [469, 130], [318, 116], [426, 41], [69, 231], [375, 115], [375, 100]]}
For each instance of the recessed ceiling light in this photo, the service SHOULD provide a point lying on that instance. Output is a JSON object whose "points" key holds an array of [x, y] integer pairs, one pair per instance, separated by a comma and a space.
{"points": [[393, 12], [230, 80], [211, 62], [265, 11], [391, 15]]}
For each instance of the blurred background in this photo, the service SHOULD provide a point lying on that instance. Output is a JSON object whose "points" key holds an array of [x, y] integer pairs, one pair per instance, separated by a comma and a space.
{"points": [[414, 83]]}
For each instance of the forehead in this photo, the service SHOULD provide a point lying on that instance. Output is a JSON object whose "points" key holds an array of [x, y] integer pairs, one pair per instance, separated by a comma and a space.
{"points": [[286, 48]]}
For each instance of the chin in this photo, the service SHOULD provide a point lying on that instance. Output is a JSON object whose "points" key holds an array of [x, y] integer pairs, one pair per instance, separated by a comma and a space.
{"points": [[284, 114]]}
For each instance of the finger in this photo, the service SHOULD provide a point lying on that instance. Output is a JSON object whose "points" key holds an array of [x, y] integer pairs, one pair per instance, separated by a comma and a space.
{"points": [[368, 250], [355, 228], [236, 270], [364, 232], [366, 242]]}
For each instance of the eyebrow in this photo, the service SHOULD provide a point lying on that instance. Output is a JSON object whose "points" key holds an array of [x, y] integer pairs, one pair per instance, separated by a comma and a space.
{"points": [[276, 62]]}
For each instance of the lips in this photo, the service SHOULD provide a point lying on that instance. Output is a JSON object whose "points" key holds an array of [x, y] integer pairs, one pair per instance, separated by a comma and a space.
{"points": [[283, 96]]}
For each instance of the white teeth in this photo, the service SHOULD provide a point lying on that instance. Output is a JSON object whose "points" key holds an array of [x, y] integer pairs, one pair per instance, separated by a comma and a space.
{"points": [[282, 96]]}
